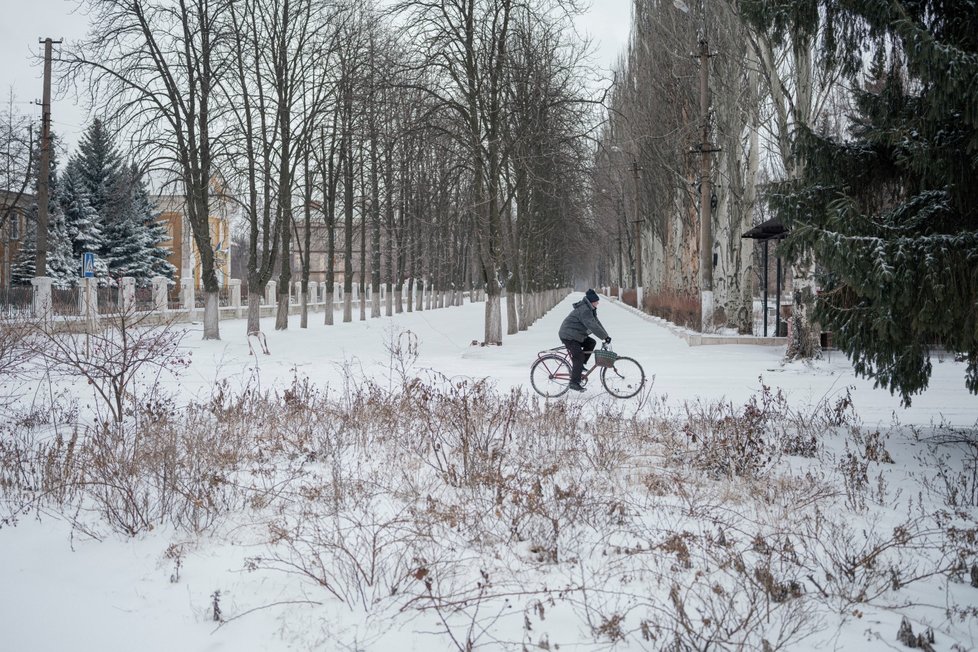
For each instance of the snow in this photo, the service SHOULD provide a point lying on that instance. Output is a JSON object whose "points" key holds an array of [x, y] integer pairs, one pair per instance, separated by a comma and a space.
{"points": [[64, 590]]}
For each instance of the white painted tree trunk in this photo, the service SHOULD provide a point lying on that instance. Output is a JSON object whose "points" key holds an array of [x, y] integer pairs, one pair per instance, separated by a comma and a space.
{"points": [[211, 316]]}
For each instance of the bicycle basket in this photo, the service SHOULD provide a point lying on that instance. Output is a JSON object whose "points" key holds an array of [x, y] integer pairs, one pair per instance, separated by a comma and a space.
{"points": [[605, 358]]}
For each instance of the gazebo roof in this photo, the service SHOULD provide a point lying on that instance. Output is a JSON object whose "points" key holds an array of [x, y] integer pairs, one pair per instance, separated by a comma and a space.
{"points": [[772, 229]]}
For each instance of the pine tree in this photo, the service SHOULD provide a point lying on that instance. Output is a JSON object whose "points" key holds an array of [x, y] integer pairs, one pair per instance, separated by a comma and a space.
{"points": [[891, 213], [125, 240], [154, 232], [109, 186], [99, 165], [81, 220], [24, 266], [59, 265]]}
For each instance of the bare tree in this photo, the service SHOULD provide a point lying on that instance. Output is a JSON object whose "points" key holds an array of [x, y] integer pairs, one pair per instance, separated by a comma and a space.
{"points": [[798, 92], [467, 43], [16, 158], [277, 95], [155, 67]]}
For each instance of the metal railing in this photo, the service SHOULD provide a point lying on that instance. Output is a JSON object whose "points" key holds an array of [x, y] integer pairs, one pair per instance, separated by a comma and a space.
{"points": [[66, 302], [108, 301], [144, 298], [16, 301]]}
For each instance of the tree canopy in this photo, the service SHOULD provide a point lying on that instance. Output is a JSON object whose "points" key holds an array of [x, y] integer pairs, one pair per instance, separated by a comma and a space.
{"points": [[890, 211]]}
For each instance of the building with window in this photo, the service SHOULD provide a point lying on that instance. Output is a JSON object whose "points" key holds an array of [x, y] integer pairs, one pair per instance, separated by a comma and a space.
{"points": [[184, 254], [13, 225]]}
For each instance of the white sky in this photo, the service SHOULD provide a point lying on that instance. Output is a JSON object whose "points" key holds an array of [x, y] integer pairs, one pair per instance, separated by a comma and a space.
{"points": [[26, 21]]}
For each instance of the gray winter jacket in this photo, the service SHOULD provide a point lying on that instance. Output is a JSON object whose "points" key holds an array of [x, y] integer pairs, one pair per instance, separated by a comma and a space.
{"points": [[582, 321]]}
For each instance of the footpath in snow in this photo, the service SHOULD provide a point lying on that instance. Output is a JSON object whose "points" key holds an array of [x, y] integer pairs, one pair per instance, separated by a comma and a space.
{"points": [[682, 373]]}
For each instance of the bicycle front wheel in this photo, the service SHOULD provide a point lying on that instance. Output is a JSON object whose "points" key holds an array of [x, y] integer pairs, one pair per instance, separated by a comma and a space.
{"points": [[550, 375], [625, 379]]}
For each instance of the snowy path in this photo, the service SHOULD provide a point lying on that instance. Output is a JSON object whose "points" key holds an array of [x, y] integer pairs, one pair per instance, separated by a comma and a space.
{"points": [[682, 373]]}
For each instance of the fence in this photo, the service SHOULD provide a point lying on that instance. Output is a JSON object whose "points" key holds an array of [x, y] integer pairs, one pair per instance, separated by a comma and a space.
{"points": [[85, 303], [16, 301], [66, 302]]}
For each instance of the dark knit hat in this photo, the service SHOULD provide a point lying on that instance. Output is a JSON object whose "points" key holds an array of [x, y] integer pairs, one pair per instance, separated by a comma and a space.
{"points": [[591, 296]]}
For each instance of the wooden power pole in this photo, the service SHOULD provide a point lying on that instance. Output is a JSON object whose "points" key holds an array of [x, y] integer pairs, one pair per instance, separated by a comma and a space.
{"points": [[41, 258], [706, 188]]}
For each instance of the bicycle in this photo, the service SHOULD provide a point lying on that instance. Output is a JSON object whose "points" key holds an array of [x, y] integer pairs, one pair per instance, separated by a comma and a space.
{"points": [[621, 376]]}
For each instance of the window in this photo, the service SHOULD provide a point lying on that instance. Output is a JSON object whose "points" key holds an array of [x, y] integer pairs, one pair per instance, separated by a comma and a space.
{"points": [[15, 226]]}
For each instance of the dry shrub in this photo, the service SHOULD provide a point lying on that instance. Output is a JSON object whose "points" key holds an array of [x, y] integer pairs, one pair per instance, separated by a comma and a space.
{"points": [[360, 556], [680, 308]]}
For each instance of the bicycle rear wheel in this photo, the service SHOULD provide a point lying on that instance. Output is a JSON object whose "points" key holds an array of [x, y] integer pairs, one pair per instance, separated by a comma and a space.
{"points": [[550, 375], [625, 379]]}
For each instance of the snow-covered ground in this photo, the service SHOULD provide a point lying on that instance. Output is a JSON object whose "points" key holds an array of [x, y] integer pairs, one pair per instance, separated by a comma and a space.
{"points": [[611, 587]]}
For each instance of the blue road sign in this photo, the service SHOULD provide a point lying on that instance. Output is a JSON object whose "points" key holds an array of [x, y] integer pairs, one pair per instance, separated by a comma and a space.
{"points": [[88, 264]]}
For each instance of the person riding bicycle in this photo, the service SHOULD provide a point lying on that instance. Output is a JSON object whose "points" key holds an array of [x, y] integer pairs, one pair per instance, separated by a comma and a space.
{"points": [[574, 331]]}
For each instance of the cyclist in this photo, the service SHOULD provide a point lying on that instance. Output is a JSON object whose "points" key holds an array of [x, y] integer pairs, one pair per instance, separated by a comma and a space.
{"points": [[574, 331]]}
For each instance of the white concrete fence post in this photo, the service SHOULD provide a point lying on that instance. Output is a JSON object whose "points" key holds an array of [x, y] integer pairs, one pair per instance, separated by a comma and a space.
{"points": [[234, 284], [188, 295], [313, 294], [160, 287], [89, 292], [127, 294], [43, 306], [270, 289]]}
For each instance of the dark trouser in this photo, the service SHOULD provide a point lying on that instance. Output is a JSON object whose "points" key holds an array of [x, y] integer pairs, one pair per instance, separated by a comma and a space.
{"points": [[580, 352]]}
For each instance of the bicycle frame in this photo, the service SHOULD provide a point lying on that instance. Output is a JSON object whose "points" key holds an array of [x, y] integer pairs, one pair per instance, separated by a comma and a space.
{"points": [[550, 374], [565, 354]]}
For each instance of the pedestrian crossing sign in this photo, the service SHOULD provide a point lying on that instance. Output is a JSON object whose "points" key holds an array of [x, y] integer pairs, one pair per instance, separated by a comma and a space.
{"points": [[88, 264]]}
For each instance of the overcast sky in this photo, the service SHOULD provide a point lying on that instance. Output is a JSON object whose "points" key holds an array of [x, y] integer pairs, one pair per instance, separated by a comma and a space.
{"points": [[26, 21]]}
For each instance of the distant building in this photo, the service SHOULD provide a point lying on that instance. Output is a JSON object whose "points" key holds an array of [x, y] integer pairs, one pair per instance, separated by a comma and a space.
{"points": [[184, 254], [13, 214], [318, 263]]}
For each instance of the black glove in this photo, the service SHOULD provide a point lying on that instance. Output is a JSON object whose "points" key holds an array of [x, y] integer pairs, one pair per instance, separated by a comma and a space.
{"points": [[607, 340]]}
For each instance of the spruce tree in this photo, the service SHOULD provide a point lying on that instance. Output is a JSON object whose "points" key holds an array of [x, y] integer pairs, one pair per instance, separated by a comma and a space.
{"points": [[59, 256], [109, 186], [154, 232], [81, 220], [99, 165], [891, 212]]}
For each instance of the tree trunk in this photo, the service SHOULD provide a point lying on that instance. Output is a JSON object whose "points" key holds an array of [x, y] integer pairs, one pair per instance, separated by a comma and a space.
{"points": [[254, 312], [494, 322], [805, 341], [328, 308], [211, 315]]}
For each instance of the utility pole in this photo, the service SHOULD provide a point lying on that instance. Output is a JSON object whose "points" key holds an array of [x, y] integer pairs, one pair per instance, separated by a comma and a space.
{"points": [[621, 260], [638, 240], [706, 189], [41, 258]]}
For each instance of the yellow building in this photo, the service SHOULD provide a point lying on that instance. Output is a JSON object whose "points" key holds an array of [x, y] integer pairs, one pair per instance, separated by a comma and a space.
{"points": [[184, 254], [14, 209]]}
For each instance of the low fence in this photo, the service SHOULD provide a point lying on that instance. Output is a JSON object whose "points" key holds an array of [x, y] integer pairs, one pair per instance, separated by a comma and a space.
{"points": [[16, 301], [159, 302]]}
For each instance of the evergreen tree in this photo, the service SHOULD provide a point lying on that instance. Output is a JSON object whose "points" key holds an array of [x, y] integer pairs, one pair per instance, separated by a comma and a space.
{"points": [[59, 255], [154, 232], [125, 248], [81, 220], [891, 213], [24, 266], [109, 186], [100, 165]]}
